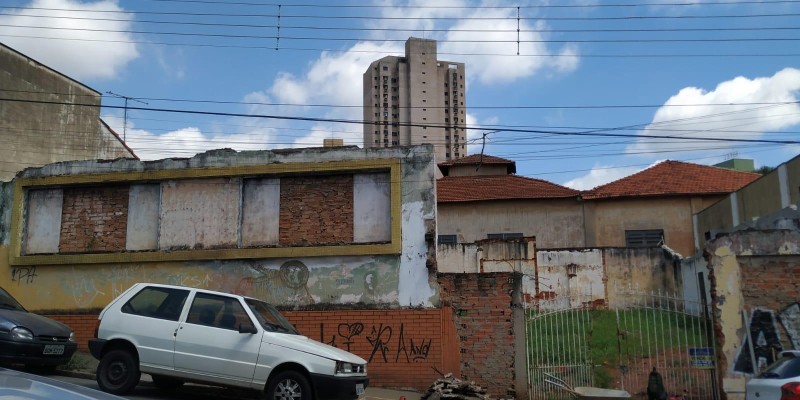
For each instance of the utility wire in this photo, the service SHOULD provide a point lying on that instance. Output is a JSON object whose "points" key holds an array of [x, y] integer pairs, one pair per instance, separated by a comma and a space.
{"points": [[361, 122], [403, 40]]}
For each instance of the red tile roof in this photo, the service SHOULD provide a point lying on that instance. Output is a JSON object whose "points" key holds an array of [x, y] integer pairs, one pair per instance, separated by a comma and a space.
{"points": [[670, 178], [476, 159], [451, 189]]}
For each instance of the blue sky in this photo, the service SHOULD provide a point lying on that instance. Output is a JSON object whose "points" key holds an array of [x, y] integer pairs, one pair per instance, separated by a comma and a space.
{"points": [[592, 78]]}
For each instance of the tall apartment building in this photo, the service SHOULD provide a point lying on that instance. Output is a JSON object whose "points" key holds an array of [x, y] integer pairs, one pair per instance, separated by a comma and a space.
{"points": [[416, 99]]}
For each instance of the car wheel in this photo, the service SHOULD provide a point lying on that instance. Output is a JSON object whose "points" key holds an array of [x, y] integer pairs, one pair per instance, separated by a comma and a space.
{"points": [[166, 383], [289, 385], [118, 372]]}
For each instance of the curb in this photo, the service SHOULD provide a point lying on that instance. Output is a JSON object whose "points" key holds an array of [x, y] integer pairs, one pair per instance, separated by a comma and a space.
{"points": [[76, 374]]}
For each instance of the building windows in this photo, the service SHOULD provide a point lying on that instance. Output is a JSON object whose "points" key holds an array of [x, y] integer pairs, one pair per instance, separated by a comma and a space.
{"points": [[394, 142], [504, 235], [644, 238], [447, 239], [385, 68]]}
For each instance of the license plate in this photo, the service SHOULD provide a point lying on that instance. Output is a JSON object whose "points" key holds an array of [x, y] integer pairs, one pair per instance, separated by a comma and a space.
{"points": [[359, 389], [55, 349]]}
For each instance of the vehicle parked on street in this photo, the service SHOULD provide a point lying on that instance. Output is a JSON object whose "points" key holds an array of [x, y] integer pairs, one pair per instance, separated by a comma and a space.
{"points": [[32, 340], [179, 334], [21, 385], [780, 381]]}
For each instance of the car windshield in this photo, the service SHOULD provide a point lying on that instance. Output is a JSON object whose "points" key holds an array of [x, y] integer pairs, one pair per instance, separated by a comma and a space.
{"points": [[9, 303], [787, 366], [270, 318]]}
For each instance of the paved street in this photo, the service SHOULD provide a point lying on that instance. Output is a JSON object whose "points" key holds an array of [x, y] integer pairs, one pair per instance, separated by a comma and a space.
{"points": [[146, 391]]}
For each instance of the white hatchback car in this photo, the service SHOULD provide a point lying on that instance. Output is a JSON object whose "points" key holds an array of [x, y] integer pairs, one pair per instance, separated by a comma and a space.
{"points": [[178, 334], [780, 381]]}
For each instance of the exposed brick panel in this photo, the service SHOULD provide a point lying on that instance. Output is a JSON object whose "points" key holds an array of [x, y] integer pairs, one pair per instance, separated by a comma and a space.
{"points": [[482, 310], [94, 220], [316, 210], [404, 348], [771, 283], [82, 324]]}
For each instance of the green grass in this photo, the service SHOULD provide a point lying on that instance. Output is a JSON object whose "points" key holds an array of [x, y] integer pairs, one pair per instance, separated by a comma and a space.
{"points": [[605, 338]]}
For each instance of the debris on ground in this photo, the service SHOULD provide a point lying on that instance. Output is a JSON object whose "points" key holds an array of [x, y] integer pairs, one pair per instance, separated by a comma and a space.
{"points": [[450, 387]]}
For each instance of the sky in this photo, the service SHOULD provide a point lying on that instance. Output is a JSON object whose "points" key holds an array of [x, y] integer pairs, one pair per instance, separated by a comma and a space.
{"points": [[576, 92]]}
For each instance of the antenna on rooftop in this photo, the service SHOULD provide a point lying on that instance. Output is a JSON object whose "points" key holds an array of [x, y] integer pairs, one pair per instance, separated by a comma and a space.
{"points": [[125, 120]]}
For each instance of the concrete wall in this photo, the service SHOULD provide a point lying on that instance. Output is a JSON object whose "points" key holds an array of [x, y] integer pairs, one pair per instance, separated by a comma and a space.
{"points": [[592, 273], [556, 223], [54, 130], [772, 192], [607, 220], [753, 277], [197, 236]]}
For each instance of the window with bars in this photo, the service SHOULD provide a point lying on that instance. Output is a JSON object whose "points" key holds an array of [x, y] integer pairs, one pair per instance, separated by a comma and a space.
{"points": [[504, 235], [644, 237], [447, 239]]}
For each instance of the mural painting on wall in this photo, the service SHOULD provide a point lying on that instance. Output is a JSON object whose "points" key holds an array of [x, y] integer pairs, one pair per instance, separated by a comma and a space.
{"points": [[765, 334], [292, 282], [388, 344]]}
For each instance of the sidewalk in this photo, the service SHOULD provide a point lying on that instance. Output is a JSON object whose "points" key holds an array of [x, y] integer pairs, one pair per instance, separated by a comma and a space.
{"points": [[83, 365]]}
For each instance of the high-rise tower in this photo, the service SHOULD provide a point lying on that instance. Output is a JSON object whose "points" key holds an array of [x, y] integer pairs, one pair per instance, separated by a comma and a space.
{"points": [[416, 99]]}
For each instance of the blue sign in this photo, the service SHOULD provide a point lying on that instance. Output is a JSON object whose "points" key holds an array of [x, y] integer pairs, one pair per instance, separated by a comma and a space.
{"points": [[701, 357]]}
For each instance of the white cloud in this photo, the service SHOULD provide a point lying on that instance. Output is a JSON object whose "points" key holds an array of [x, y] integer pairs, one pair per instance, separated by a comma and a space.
{"points": [[502, 40], [186, 142], [334, 78], [710, 117], [602, 174], [80, 57]]}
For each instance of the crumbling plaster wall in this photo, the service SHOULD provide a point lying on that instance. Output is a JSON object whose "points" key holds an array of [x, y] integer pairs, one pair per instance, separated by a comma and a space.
{"points": [[383, 280], [727, 257]]}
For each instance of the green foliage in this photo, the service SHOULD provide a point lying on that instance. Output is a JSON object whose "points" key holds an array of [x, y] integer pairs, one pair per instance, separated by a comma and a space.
{"points": [[605, 338]]}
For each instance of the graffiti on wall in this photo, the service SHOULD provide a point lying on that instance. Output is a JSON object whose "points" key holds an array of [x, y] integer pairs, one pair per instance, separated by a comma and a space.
{"points": [[765, 333], [283, 282], [387, 343], [766, 344]]}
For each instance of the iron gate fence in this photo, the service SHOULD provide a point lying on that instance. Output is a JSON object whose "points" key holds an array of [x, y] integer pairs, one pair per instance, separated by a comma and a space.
{"points": [[583, 340]]}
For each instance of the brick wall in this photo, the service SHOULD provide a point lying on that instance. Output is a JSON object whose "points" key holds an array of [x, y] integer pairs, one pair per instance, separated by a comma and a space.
{"points": [[483, 311], [770, 282], [316, 210], [404, 348], [83, 325], [94, 220]]}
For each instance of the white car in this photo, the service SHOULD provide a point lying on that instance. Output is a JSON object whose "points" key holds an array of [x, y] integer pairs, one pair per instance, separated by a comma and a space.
{"points": [[178, 334], [780, 381]]}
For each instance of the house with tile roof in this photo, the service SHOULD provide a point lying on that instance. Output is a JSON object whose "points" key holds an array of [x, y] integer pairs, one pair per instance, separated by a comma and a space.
{"points": [[479, 197], [657, 205]]}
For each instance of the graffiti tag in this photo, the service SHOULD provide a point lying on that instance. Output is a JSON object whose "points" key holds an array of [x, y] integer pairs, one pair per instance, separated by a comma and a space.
{"points": [[26, 275]]}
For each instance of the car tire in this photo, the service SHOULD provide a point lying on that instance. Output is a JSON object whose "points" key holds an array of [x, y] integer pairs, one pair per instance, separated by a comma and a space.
{"points": [[118, 372], [288, 385], [166, 383]]}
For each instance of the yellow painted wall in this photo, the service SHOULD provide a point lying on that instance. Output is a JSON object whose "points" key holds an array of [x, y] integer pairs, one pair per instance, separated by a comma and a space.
{"points": [[556, 223], [607, 221]]}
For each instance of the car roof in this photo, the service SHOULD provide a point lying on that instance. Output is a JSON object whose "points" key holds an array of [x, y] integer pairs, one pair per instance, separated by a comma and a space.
{"points": [[200, 290], [28, 386]]}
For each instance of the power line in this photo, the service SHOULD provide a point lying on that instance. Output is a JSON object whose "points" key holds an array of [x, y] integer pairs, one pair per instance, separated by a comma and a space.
{"points": [[361, 122], [403, 40]]}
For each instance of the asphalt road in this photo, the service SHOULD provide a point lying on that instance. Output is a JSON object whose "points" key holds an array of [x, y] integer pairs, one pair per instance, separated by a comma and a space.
{"points": [[146, 390]]}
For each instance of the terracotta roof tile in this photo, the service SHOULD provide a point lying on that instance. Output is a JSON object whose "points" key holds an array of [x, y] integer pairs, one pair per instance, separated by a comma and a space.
{"points": [[671, 178], [477, 158], [452, 189]]}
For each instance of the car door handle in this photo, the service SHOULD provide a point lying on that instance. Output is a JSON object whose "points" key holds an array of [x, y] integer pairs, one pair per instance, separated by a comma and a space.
{"points": [[175, 334]]}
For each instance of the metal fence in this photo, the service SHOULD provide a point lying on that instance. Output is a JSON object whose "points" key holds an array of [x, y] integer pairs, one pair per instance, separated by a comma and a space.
{"points": [[578, 339]]}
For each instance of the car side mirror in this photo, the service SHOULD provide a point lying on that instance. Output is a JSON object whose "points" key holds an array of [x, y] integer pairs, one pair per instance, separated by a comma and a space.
{"points": [[247, 328]]}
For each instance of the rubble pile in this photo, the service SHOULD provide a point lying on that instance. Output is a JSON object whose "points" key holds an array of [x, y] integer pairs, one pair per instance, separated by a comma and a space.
{"points": [[449, 387]]}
